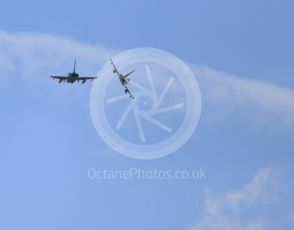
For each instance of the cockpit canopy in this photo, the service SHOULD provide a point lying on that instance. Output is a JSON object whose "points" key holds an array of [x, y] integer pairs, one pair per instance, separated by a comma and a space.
{"points": [[73, 74]]}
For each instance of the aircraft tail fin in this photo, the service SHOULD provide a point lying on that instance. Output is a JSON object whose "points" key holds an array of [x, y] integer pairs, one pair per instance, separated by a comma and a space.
{"points": [[128, 74], [74, 70]]}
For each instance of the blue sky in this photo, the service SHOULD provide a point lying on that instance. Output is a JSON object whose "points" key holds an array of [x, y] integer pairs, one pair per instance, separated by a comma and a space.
{"points": [[241, 53]]}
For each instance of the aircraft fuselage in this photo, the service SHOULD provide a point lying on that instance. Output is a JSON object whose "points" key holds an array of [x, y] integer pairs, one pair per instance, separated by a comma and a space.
{"points": [[123, 80], [72, 77]]}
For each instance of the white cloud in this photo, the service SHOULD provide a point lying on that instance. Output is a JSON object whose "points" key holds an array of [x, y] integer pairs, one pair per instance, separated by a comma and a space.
{"points": [[263, 105], [32, 57], [225, 211], [263, 187]]}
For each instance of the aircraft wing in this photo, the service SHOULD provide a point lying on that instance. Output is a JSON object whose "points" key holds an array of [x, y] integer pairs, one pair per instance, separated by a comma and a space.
{"points": [[127, 91], [60, 78], [84, 79], [114, 68], [87, 78], [129, 73]]}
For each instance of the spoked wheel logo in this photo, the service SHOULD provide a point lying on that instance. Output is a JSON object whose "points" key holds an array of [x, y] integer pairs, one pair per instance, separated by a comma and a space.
{"points": [[164, 112]]}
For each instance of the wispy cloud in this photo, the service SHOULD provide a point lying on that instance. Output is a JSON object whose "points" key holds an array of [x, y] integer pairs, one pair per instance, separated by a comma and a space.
{"points": [[32, 57], [261, 104], [226, 211], [262, 188]]}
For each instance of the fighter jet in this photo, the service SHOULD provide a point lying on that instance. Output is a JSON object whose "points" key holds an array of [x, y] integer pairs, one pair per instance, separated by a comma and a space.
{"points": [[124, 79], [72, 77]]}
